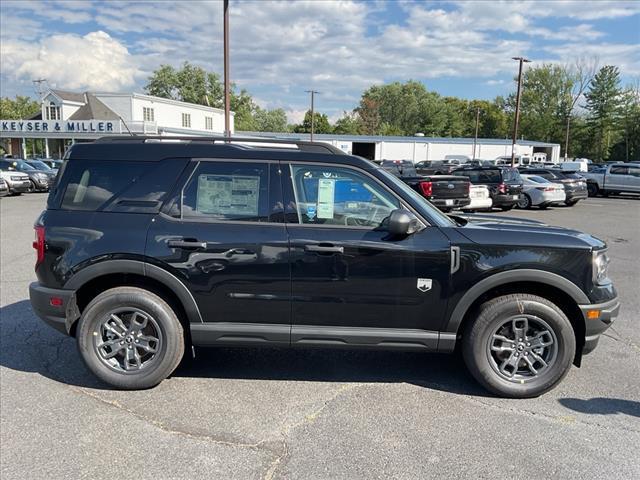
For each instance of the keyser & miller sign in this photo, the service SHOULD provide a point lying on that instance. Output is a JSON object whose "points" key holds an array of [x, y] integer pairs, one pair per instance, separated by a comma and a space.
{"points": [[59, 126]]}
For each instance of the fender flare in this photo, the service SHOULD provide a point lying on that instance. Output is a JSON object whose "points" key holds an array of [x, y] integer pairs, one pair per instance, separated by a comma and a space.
{"points": [[511, 276], [143, 269]]}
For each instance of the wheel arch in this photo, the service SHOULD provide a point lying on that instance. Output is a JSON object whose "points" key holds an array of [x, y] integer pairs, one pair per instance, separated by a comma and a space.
{"points": [[551, 286], [94, 279]]}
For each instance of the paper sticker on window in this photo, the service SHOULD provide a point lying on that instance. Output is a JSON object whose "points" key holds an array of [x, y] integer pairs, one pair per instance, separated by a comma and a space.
{"points": [[228, 195], [326, 190]]}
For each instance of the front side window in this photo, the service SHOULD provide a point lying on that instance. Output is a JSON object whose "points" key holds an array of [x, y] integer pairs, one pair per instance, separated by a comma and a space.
{"points": [[331, 195], [186, 120], [618, 170], [231, 191]]}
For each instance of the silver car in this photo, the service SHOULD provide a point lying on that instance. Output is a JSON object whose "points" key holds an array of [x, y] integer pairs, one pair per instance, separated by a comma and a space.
{"points": [[540, 192]]}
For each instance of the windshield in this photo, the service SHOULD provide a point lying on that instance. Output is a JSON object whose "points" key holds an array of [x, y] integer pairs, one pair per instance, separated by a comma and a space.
{"points": [[22, 166], [511, 175], [433, 214], [39, 165]]}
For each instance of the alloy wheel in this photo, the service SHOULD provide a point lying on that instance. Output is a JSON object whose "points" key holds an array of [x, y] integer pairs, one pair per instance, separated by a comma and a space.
{"points": [[128, 340], [522, 348]]}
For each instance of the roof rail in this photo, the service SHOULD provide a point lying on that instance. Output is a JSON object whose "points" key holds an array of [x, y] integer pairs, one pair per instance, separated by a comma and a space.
{"points": [[303, 145]]}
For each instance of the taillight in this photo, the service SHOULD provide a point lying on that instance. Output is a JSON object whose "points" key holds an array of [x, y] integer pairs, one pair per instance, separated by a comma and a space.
{"points": [[427, 188], [502, 188], [468, 188], [38, 244]]}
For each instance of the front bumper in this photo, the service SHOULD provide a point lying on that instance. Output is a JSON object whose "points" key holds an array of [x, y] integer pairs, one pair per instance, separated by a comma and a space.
{"points": [[598, 317], [19, 187], [61, 317]]}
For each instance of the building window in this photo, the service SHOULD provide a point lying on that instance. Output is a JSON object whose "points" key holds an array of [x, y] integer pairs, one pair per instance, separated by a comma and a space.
{"points": [[208, 123], [52, 112], [147, 114], [186, 120]]}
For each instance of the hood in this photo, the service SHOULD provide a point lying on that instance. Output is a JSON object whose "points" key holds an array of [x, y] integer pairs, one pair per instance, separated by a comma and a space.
{"points": [[496, 229]]}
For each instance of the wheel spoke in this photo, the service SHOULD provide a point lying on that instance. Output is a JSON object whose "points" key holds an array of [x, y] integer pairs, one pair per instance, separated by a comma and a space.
{"points": [[509, 367], [119, 323], [144, 342], [538, 359], [109, 343], [139, 325], [113, 352], [131, 357], [530, 365], [520, 326], [542, 339]]}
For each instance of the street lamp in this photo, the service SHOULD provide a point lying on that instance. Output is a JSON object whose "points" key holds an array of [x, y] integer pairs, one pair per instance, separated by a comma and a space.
{"points": [[516, 120], [312, 92]]}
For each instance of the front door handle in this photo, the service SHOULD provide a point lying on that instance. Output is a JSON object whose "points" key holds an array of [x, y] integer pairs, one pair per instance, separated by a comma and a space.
{"points": [[186, 244], [324, 249]]}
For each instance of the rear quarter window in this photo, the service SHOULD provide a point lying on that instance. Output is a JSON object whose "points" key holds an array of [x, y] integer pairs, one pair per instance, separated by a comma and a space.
{"points": [[118, 186]]}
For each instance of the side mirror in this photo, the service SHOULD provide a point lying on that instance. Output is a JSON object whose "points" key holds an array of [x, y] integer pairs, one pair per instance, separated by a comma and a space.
{"points": [[402, 223]]}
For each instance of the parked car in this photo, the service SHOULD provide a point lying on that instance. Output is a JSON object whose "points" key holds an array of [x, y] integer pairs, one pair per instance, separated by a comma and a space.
{"points": [[17, 182], [434, 167], [616, 178], [445, 191], [575, 185], [281, 260], [42, 166], [540, 192], [576, 166], [4, 188], [505, 184], [480, 198], [39, 180], [53, 163]]}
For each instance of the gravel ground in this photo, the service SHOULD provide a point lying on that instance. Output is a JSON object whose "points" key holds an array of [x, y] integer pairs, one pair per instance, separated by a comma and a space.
{"points": [[240, 413]]}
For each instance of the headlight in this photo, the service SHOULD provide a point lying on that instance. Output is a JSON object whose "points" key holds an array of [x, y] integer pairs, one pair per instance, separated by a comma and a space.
{"points": [[41, 176], [600, 267]]}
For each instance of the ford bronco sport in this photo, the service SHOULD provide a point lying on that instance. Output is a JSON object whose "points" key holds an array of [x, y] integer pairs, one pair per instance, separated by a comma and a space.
{"points": [[151, 245]]}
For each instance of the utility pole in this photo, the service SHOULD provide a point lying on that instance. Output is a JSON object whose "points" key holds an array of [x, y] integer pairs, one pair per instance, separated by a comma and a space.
{"points": [[39, 85], [566, 140], [313, 116], [227, 92], [475, 138], [516, 120]]}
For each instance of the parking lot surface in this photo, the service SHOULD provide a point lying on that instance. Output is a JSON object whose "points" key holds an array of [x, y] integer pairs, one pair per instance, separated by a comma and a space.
{"points": [[250, 413]]}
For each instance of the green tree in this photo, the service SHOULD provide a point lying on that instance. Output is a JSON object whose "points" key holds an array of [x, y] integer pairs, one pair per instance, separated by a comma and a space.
{"points": [[603, 107], [628, 147], [19, 108], [270, 120], [320, 123], [368, 116], [348, 124]]}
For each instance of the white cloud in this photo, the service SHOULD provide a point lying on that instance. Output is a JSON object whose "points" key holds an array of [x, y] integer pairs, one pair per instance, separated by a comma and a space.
{"points": [[295, 116], [95, 61]]}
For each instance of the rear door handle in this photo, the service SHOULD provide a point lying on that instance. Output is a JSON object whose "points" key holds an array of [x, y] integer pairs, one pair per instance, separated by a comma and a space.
{"points": [[186, 244], [324, 249]]}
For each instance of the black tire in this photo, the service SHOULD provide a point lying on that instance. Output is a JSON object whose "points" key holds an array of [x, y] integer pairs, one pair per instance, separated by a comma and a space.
{"points": [[524, 202], [570, 203], [479, 355], [170, 347], [32, 187], [543, 206], [506, 209], [592, 189]]}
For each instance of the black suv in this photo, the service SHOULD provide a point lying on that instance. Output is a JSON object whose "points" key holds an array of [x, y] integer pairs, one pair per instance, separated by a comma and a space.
{"points": [[148, 247], [505, 183]]}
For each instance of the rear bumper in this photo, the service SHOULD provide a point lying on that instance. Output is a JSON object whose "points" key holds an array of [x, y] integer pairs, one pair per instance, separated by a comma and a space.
{"points": [[598, 317], [59, 317], [450, 202], [577, 195], [505, 200]]}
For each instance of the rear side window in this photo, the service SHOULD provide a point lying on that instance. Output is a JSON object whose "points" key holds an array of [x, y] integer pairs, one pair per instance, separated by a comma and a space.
{"points": [[230, 191], [118, 186]]}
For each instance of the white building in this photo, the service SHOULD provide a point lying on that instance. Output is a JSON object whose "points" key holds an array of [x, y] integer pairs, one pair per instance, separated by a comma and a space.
{"points": [[424, 148], [67, 117]]}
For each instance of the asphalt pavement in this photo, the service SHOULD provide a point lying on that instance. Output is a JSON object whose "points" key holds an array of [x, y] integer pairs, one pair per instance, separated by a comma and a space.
{"points": [[317, 414]]}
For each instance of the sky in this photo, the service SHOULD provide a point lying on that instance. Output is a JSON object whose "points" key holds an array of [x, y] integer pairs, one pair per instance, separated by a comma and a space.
{"points": [[339, 48]]}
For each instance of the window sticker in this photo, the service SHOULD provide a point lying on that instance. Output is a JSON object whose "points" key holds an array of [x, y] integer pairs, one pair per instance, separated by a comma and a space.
{"points": [[326, 191], [228, 195]]}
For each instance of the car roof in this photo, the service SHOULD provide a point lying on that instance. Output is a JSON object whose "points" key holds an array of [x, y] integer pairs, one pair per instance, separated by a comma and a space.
{"points": [[156, 148]]}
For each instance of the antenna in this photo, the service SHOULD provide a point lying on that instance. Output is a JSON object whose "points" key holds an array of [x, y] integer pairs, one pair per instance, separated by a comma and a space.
{"points": [[40, 86], [126, 126]]}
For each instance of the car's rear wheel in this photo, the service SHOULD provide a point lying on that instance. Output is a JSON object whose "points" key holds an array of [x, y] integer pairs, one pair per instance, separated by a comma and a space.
{"points": [[543, 206], [524, 202], [570, 203], [519, 345], [130, 338], [507, 208], [592, 189], [32, 187]]}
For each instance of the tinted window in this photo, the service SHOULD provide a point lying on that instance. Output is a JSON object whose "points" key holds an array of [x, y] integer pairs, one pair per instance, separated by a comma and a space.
{"points": [[480, 176], [619, 170], [231, 191], [402, 168], [511, 175], [116, 185], [328, 195], [635, 171], [572, 176]]}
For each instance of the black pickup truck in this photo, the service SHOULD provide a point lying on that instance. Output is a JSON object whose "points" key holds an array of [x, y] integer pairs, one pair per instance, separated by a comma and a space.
{"points": [[445, 191]]}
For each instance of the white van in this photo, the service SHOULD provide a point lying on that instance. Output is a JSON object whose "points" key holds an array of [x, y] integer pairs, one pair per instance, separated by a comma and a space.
{"points": [[578, 166]]}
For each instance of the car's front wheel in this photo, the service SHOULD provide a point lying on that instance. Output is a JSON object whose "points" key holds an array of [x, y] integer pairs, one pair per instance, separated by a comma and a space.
{"points": [[519, 346], [130, 338], [524, 202]]}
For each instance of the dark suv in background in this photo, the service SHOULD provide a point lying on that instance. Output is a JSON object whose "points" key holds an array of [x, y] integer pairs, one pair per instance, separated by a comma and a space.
{"points": [[149, 246], [505, 183]]}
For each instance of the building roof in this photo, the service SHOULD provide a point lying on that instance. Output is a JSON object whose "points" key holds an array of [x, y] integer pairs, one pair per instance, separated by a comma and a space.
{"points": [[393, 139], [94, 108], [69, 96]]}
